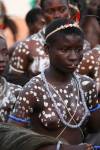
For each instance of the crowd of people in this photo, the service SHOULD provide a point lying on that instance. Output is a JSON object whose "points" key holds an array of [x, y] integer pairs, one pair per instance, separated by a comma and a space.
{"points": [[50, 81]]}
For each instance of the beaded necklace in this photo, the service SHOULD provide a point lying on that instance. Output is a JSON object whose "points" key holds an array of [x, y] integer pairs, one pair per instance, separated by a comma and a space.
{"points": [[3, 87], [79, 88]]}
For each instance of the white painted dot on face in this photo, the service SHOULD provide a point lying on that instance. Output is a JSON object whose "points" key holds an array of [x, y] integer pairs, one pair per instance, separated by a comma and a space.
{"points": [[83, 58], [87, 60], [76, 97], [65, 91], [60, 90], [53, 114], [98, 79], [71, 94], [66, 102], [27, 102], [90, 67], [23, 108], [67, 96], [21, 67], [24, 99], [23, 50], [34, 93], [91, 57], [37, 43], [49, 109], [31, 92], [27, 52], [90, 92], [83, 68], [21, 60], [35, 87], [19, 50], [43, 112], [27, 93], [26, 110], [39, 88], [58, 104], [93, 62], [44, 97], [41, 52], [69, 109], [45, 104]]}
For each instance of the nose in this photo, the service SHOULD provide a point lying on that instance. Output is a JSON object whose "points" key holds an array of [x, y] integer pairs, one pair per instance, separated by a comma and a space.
{"points": [[73, 56], [57, 14]]}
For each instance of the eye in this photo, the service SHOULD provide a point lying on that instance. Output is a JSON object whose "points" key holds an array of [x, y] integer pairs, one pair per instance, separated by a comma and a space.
{"points": [[78, 50], [49, 11], [62, 9]]}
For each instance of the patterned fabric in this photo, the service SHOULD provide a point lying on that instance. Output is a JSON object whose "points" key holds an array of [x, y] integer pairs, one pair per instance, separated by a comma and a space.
{"points": [[8, 99], [90, 64], [35, 94], [30, 50]]}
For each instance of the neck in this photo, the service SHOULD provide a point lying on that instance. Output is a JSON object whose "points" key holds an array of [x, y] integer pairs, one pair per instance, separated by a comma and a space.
{"points": [[56, 76]]}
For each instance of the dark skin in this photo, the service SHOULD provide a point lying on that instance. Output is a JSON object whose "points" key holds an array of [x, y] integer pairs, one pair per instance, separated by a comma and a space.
{"points": [[67, 51], [52, 10], [91, 30], [3, 55], [35, 27]]}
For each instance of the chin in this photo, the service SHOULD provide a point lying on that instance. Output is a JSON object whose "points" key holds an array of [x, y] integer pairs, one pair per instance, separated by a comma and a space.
{"points": [[1, 72]]}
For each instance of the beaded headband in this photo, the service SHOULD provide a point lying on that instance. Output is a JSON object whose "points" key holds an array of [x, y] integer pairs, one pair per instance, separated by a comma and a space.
{"points": [[63, 27]]}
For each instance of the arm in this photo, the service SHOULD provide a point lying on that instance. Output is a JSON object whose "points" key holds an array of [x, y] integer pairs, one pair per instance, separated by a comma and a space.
{"points": [[23, 108], [94, 107], [19, 60]]}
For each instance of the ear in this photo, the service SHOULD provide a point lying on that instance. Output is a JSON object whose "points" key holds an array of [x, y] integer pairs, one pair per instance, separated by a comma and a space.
{"points": [[46, 48]]}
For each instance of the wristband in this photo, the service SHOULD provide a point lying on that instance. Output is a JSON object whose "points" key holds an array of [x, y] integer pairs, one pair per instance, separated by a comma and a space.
{"points": [[58, 145]]}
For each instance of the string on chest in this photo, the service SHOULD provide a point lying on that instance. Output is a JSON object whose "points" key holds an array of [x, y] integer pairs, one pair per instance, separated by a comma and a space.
{"points": [[81, 93]]}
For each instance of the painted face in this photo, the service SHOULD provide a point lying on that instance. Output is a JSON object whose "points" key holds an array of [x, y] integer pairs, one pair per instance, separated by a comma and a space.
{"points": [[55, 9], [67, 53], [3, 55]]}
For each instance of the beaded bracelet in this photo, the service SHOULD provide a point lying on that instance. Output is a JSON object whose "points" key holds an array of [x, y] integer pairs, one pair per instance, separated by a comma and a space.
{"points": [[96, 147], [58, 145]]}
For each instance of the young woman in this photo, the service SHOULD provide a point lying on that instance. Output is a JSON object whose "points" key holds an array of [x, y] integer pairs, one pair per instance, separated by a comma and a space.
{"points": [[59, 102], [8, 91]]}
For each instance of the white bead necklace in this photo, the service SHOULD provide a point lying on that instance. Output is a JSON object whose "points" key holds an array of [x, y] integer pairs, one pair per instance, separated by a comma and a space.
{"points": [[4, 87], [77, 82]]}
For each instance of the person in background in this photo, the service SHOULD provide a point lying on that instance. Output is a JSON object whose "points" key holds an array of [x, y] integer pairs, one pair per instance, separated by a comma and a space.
{"points": [[58, 102], [90, 64], [17, 138], [35, 20], [8, 26], [29, 57], [8, 91]]}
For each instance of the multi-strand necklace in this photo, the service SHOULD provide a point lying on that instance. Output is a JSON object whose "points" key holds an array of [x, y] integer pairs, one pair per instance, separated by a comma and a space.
{"points": [[3, 87], [81, 93]]}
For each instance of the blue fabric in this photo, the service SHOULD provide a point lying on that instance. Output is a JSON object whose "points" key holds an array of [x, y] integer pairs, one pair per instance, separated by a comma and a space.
{"points": [[96, 147], [96, 108], [19, 119]]}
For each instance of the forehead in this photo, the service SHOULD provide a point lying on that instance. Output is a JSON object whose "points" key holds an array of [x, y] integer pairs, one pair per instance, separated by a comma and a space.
{"points": [[68, 40], [54, 3]]}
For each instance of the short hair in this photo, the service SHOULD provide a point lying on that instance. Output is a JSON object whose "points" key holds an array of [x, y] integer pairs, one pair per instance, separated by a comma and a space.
{"points": [[62, 26], [17, 138], [42, 3], [32, 15]]}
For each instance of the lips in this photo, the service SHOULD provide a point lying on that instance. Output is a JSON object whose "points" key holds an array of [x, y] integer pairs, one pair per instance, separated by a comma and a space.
{"points": [[73, 66], [2, 66]]}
